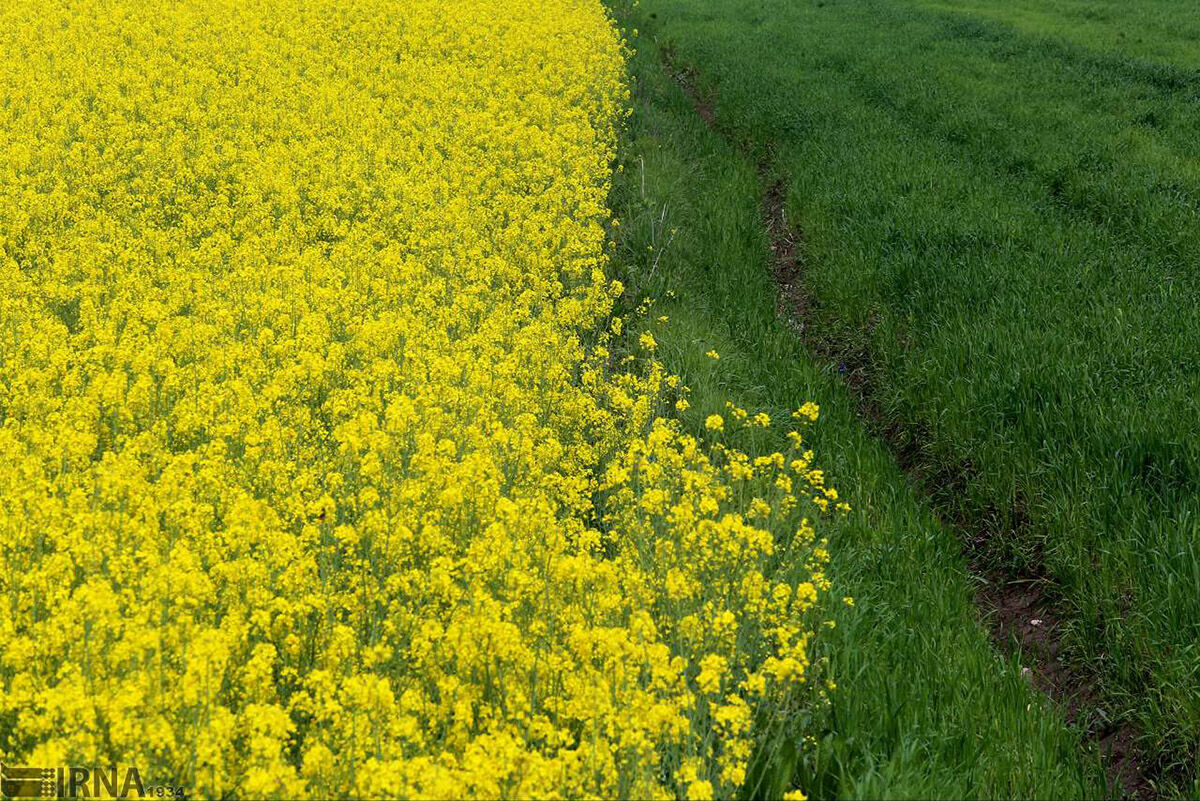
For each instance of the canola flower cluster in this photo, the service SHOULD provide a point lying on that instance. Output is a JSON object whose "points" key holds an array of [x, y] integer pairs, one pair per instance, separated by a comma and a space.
{"points": [[328, 469]]}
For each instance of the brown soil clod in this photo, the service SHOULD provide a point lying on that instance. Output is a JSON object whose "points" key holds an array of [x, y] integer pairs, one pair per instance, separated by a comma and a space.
{"points": [[1018, 610], [1022, 620]]}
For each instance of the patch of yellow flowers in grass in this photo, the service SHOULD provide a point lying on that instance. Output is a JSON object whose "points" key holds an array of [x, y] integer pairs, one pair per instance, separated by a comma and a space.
{"points": [[324, 471]]}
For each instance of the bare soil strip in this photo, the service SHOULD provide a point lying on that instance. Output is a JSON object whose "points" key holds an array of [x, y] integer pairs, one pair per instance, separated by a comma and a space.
{"points": [[1018, 610]]}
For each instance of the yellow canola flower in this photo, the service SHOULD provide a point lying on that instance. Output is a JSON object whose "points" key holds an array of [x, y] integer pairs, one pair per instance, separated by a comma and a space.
{"points": [[313, 483], [808, 411]]}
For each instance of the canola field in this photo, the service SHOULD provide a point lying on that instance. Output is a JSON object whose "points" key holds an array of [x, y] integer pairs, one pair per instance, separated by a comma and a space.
{"points": [[335, 461]]}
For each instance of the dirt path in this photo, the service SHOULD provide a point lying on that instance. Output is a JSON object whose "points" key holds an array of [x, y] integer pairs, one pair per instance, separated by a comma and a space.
{"points": [[1018, 610]]}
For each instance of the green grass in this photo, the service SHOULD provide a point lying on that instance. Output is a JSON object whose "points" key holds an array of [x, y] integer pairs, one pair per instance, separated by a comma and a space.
{"points": [[925, 706], [1162, 31], [999, 202]]}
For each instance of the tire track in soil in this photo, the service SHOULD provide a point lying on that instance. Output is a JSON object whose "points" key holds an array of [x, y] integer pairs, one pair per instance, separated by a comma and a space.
{"points": [[1018, 610]]}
